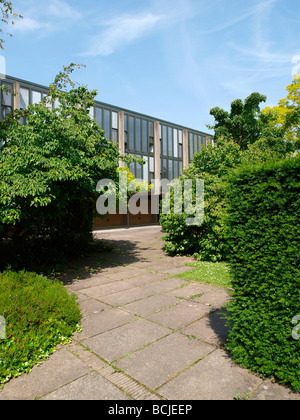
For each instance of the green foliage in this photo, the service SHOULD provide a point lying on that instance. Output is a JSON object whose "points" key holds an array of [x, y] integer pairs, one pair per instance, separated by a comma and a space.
{"points": [[242, 125], [49, 169], [286, 115], [214, 164], [262, 233], [206, 241], [39, 315], [217, 274], [7, 15]]}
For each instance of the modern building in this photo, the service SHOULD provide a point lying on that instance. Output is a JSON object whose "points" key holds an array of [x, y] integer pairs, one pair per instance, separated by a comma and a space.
{"points": [[166, 147]]}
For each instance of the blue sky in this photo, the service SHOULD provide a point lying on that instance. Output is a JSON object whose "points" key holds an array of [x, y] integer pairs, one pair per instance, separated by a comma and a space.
{"points": [[171, 59]]}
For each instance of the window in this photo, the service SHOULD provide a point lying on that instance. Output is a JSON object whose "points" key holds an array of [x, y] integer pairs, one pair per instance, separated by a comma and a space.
{"points": [[138, 142], [24, 98], [151, 137], [145, 169], [151, 164], [138, 173], [98, 116], [126, 132], [170, 142], [164, 174], [180, 151], [195, 143], [114, 125], [106, 123], [176, 171], [92, 112], [36, 97], [164, 141], [131, 133], [145, 136], [191, 146], [114, 120], [170, 174], [6, 100], [176, 144], [180, 168]]}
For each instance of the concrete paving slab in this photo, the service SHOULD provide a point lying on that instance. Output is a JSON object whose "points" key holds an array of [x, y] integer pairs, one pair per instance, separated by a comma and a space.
{"points": [[216, 298], [91, 387], [104, 321], [106, 289], [61, 368], [125, 274], [213, 378], [126, 296], [163, 286], [151, 305], [178, 270], [90, 307], [82, 284], [211, 329], [121, 341], [180, 315], [191, 290], [271, 391], [147, 278], [158, 363]]}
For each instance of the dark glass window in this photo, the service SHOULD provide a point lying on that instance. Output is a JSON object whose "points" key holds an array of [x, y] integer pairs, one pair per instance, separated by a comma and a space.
{"points": [[164, 169], [145, 136], [164, 141], [131, 133], [6, 101], [106, 123], [170, 142], [138, 143], [98, 116]]}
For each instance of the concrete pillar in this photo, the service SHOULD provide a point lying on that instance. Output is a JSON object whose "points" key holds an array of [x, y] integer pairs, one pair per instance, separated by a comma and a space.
{"points": [[121, 136], [16, 96], [185, 148], [157, 156]]}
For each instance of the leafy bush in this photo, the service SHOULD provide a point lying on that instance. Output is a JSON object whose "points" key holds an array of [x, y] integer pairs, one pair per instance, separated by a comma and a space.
{"points": [[262, 233], [39, 315], [49, 169], [206, 242]]}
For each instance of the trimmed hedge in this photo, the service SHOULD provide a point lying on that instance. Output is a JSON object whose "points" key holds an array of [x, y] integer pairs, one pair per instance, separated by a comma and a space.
{"points": [[262, 232]]}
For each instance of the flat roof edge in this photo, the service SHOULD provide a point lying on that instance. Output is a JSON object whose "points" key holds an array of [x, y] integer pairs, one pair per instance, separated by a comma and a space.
{"points": [[117, 108]]}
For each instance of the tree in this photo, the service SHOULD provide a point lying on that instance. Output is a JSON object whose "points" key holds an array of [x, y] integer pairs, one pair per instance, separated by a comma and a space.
{"points": [[286, 115], [242, 125], [7, 15], [49, 169], [206, 241]]}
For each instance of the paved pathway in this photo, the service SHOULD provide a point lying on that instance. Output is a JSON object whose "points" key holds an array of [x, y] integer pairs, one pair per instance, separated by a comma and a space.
{"points": [[144, 335]]}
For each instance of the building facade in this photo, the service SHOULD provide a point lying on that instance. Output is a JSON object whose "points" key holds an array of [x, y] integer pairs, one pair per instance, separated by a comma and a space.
{"points": [[167, 148]]}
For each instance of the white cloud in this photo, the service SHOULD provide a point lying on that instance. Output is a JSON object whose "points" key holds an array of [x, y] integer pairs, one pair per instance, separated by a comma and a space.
{"points": [[121, 31], [62, 9], [29, 25]]}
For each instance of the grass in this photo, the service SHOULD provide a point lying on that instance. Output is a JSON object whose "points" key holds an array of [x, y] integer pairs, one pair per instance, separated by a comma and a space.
{"points": [[216, 274], [39, 315]]}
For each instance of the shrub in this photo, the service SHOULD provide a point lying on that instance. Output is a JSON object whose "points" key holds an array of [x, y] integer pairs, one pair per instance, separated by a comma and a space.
{"points": [[49, 169], [206, 242], [262, 233], [39, 315]]}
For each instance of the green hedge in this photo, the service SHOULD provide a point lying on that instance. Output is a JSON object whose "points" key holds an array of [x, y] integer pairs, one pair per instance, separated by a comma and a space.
{"points": [[262, 232]]}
